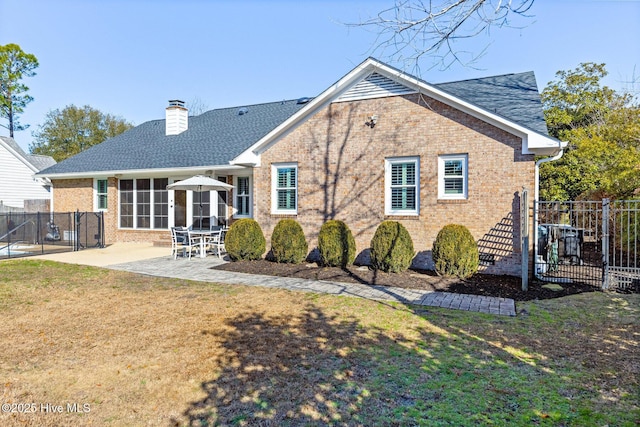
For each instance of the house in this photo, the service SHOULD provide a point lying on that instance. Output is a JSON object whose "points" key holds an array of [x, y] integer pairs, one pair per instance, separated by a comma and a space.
{"points": [[377, 144], [17, 182]]}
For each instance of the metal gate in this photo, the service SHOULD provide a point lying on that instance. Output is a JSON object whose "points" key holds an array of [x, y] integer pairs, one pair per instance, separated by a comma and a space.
{"points": [[591, 242]]}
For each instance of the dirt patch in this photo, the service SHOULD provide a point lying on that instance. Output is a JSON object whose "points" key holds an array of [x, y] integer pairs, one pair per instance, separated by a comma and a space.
{"points": [[479, 284]]}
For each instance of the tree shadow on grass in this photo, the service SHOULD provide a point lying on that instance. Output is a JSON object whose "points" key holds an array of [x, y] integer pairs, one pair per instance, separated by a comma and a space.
{"points": [[305, 369]]}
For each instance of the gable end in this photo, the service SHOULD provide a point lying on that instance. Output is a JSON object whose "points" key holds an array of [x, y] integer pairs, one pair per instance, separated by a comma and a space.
{"points": [[375, 86]]}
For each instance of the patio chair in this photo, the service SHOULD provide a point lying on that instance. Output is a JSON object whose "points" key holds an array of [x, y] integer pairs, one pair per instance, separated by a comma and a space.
{"points": [[187, 242], [176, 241], [215, 242]]}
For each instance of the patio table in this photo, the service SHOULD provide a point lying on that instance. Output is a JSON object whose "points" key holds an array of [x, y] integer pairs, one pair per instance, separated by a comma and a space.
{"points": [[204, 235]]}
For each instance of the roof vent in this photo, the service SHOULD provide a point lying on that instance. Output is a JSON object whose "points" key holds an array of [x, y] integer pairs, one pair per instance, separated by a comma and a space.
{"points": [[242, 111], [303, 100]]}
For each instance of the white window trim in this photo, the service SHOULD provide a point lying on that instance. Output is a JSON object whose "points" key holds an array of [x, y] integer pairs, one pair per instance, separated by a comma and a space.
{"points": [[250, 195], [96, 203], [274, 193], [465, 177], [387, 186]]}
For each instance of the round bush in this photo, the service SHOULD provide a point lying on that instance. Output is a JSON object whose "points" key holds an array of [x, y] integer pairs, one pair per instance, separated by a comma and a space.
{"points": [[391, 248], [244, 240], [455, 252], [336, 244], [288, 244]]}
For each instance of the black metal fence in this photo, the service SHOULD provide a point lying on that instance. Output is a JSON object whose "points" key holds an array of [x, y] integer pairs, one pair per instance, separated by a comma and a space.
{"points": [[592, 242], [25, 234]]}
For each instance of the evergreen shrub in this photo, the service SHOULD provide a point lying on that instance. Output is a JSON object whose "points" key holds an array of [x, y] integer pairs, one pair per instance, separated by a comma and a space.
{"points": [[245, 240], [336, 244], [455, 252], [288, 244], [391, 247]]}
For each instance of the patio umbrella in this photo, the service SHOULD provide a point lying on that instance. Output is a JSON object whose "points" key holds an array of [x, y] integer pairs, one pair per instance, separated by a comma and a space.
{"points": [[200, 183]]}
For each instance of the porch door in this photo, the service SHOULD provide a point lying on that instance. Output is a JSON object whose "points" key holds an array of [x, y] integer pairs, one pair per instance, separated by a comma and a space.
{"points": [[180, 208]]}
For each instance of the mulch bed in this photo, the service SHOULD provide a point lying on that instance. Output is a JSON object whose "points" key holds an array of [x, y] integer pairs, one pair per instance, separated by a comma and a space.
{"points": [[479, 284]]}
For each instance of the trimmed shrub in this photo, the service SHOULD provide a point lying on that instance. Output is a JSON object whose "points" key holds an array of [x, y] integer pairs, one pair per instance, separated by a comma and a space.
{"points": [[455, 252], [245, 240], [336, 244], [391, 248], [288, 244]]}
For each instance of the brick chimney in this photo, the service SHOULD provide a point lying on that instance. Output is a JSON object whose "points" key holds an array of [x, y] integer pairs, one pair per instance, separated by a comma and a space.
{"points": [[177, 118]]}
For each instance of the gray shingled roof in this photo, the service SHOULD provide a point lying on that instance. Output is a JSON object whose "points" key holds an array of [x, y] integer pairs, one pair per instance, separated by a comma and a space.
{"points": [[213, 138], [218, 136], [512, 96], [38, 161]]}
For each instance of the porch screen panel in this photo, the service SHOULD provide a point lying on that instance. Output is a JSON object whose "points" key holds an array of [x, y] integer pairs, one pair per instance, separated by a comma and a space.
{"points": [[160, 203], [223, 196], [403, 186], [242, 197], [286, 188], [143, 203], [201, 198], [126, 203]]}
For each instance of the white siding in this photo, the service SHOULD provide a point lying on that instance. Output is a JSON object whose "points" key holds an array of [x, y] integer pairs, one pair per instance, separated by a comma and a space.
{"points": [[16, 181]]}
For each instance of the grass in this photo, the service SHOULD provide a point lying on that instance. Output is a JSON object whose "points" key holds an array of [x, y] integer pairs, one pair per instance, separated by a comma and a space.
{"points": [[136, 350]]}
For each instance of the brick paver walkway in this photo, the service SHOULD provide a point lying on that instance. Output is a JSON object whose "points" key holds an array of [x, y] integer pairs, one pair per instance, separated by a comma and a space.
{"points": [[200, 269]]}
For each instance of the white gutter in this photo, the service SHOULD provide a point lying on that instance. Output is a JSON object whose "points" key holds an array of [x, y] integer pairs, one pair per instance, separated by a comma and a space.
{"points": [[535, 211]]}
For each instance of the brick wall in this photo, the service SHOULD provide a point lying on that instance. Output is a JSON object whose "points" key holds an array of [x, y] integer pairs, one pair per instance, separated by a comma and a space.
{"points": [[341, 174]]}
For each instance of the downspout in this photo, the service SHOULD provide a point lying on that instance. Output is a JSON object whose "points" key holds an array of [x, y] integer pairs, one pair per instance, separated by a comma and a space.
{"points": [[535, 200]]}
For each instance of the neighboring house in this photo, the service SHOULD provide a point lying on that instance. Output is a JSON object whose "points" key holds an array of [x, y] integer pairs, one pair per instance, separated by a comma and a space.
{"points": [[378, 144], [17, 181]]}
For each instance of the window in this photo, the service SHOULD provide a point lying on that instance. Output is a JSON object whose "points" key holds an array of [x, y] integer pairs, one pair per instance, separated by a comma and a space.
{"points": [[402, 191], [126, 203], [285, 188], [143, 203], [101, 194], [243, 208], [452, 176]]}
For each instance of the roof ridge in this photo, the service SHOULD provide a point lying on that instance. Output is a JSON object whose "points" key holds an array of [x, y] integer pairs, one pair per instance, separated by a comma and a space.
{"points": [[256, 105], [483, 78]]}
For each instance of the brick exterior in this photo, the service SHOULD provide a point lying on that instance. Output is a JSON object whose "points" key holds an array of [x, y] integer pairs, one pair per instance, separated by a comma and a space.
{"points": [[341, 174]]}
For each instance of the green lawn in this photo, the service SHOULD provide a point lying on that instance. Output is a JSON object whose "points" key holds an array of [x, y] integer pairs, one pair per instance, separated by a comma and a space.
{"points": [[147, 351]]}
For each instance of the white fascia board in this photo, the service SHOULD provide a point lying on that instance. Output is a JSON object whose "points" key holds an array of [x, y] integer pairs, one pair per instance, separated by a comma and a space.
{"points": [[541, 145], [147, 173], [18, 156], [252, 154], [532, 142]]}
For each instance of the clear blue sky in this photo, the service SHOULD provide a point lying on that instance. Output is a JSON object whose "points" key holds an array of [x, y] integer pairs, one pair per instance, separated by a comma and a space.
{"points": [[128, 57]]}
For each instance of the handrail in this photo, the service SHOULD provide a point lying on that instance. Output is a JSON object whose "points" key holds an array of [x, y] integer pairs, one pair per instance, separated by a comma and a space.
{"points": [[13, 230]]}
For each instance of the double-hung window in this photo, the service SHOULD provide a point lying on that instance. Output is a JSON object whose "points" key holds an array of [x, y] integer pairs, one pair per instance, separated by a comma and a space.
{"points": [[452, 176], [284, 183], [402, 189]]}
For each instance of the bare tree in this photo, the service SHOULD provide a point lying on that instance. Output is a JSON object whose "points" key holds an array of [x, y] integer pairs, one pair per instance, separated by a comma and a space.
{"points": [[411, 29], [197, 106]]}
